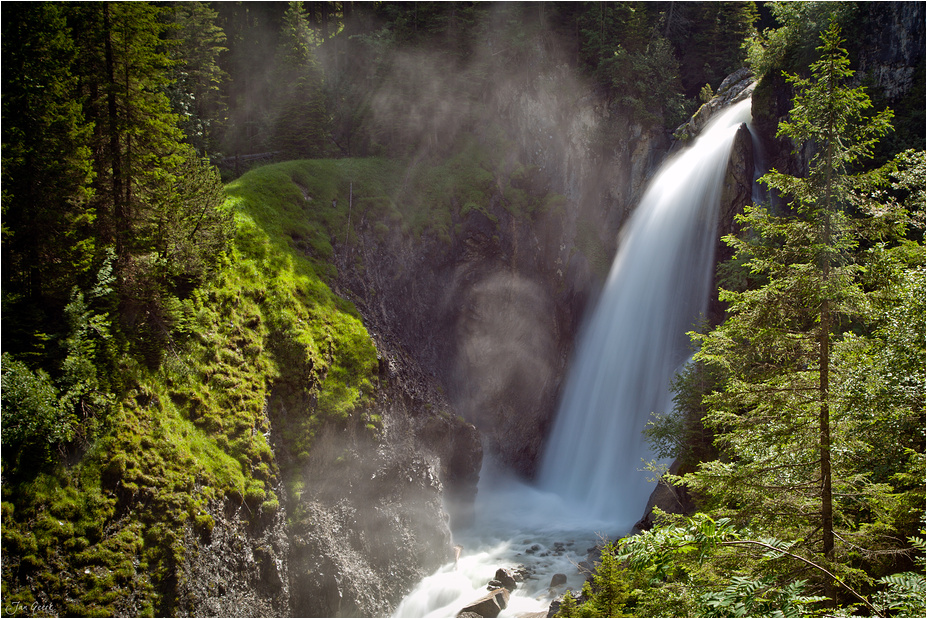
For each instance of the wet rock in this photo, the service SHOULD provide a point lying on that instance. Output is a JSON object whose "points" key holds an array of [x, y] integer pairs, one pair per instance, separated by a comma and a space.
{"points": [[667, 498], [506, 579], [367, 530], [489, 605], [521, 573], [558, 580], [459, 447], [736, 193], [735, 87]]}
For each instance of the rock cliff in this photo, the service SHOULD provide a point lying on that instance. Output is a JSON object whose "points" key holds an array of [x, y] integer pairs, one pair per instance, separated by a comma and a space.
{"points": [[493, 311], [362, 519]]}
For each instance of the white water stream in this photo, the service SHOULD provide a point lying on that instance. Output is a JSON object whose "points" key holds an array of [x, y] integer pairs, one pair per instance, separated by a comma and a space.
{"points": [[591, 480]]}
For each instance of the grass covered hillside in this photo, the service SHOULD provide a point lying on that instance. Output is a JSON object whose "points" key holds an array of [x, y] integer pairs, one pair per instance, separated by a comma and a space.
{"points": [[262, 352], [99, 532]]}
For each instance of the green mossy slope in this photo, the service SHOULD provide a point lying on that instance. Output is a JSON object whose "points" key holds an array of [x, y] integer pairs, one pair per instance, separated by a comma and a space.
{"points": [[104, 536]]}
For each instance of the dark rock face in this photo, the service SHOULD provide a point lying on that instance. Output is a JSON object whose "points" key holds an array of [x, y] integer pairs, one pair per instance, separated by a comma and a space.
{"points": [[737, 192], [370, 519], [238, 568], [892, 47], [493, 311]]}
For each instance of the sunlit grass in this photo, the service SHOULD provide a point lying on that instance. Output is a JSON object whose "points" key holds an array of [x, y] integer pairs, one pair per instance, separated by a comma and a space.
{"points": [[264, 343]]}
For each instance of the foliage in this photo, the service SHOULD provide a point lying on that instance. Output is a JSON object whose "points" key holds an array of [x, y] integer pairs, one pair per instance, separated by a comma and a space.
{"points": [[640, 70], [300, 125], [184, 438], [32, 416], [680, 432], [196, 42], [905, 593], [684, 551], [708, 38], [791, 46], [775, 346], [817, 419], [604, 595], [156, 325], [48, 242]]}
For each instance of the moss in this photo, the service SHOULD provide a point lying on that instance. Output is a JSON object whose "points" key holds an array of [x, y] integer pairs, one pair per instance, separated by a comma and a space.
{"points": [[270, 505], [204, 524], [255, 494], [104, 537]]}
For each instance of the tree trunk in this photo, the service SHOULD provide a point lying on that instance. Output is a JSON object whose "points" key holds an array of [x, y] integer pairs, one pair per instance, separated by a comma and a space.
{"points": [[113, 117], [827, 500]]}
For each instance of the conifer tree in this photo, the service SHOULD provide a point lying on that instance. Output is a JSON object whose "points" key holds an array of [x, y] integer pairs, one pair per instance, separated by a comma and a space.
{"points": [[165, 231], [47, 213], [195, 95], [772, 413], [300, 126]]}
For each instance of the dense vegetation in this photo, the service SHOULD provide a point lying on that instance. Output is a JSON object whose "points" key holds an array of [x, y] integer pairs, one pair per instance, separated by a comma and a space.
{"points": [[150, 312], [800, 421]]}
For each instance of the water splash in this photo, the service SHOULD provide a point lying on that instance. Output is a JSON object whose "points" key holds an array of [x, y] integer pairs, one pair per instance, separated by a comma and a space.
{"points": [[656, 291], [517, 526]]}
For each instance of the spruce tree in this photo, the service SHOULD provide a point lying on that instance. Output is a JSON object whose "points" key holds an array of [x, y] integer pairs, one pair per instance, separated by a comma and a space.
{"points": [[196, 42], [48, 217], [158, 209], [772, 413], [300, 126]]}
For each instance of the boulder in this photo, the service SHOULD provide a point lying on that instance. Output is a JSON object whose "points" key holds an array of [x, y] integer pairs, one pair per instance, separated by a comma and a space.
{"points": [[506, 579], [558, 580], [669, 499], [489, 605]]}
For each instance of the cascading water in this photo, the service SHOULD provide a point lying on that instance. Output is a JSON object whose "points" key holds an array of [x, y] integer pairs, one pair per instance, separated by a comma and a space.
{"points": [[636, 340], [590, 479]]}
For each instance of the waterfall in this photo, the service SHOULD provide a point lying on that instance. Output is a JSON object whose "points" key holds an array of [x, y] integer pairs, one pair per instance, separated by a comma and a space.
{"points": [[590, 480], [635, 341]]}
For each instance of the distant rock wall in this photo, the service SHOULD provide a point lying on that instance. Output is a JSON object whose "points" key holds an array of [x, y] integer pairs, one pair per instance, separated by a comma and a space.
{"points": [[493, 313], [892, 48]]}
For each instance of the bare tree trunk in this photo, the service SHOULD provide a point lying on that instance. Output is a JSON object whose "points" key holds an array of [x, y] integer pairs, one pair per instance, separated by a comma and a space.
{"points": [[113, 117], [827, 500]]}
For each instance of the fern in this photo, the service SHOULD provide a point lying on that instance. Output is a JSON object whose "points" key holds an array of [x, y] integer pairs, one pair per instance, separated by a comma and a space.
{"points": [[903, 595], [759, 598]]}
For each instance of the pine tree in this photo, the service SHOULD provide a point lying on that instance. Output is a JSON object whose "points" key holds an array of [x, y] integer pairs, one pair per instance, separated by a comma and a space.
{"points": [[605, 594], [773, 412], [195, 93], [48, 217], [165, 230], [300, 126]]}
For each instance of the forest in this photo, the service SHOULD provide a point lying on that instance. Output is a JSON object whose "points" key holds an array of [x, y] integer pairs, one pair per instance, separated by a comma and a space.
{"points": [[191, 192]]}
